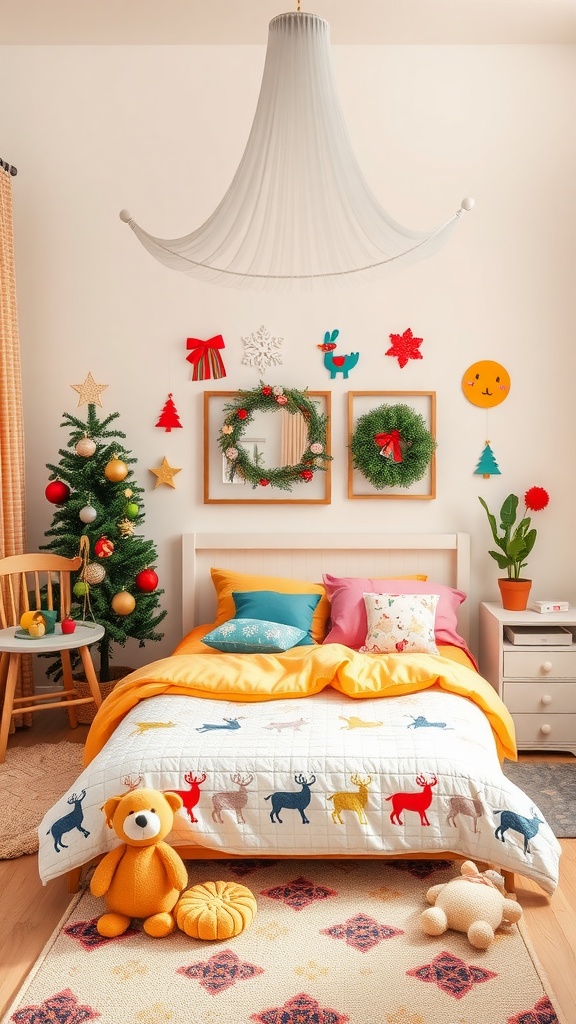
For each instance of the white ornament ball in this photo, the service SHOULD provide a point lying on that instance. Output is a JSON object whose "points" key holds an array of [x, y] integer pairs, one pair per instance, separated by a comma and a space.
{"points": [[468, 203], [88, 514], [86, 447], [125, 215]]}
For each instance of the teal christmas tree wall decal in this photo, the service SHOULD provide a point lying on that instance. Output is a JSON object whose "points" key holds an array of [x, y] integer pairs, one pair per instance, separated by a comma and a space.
{"points": [[487, 465]]}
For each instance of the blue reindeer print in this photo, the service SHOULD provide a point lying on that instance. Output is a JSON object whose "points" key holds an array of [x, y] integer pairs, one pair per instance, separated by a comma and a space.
{"points": [[68, 822], [292, 801], [421, 722], [231, 723], [528, 827]]}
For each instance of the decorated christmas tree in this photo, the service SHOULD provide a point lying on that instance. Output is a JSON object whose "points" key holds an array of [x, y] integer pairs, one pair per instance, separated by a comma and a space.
{"points": [[99, 510]]}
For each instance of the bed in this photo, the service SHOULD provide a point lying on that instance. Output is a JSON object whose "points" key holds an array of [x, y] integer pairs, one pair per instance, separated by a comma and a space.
{"points": [[322, 703]]}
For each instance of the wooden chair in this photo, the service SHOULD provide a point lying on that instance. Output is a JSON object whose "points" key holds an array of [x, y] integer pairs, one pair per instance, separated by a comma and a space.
{"points": [[29, 582]]}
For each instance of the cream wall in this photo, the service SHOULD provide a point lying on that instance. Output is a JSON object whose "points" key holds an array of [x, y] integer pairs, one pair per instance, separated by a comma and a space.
{"points": [[160, 130]]}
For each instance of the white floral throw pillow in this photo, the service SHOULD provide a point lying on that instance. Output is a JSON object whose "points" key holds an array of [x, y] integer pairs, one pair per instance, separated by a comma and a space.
{"points": [[401, 623]]}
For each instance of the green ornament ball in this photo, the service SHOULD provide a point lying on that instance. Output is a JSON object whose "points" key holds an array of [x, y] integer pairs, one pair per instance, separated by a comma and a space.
{"points": [[132, 510], [80, 589]]}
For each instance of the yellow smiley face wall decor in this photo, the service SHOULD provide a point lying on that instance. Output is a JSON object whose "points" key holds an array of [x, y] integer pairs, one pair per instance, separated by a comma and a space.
{"points": [[486, 383]]}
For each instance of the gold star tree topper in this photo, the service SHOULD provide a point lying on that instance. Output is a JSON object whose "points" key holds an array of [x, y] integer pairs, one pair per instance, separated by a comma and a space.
{"points": [[165, 474], [89, 391]]}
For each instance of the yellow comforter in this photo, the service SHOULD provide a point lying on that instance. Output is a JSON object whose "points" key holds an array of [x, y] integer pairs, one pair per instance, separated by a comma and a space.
{"points": [[300, 672]]}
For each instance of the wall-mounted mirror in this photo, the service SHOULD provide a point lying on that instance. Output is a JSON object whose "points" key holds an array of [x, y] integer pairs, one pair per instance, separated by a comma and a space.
{"points": [[276, 453]]}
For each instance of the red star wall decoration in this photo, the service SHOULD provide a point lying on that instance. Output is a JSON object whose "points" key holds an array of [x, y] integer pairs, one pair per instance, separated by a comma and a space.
{"points": [[404, 347]]}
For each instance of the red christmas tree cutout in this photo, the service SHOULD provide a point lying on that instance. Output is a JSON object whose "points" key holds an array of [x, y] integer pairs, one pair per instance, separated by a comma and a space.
{"points": [[404, 347], [169, 417]]}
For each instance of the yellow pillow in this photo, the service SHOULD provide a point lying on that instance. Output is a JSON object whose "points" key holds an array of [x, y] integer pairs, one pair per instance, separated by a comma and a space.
{"points": [[226, 582]]}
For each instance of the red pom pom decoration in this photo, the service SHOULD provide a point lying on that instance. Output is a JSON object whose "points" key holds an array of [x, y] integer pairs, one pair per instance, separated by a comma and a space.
{"points": [[536, 498], [147, 580], [57, 492]]}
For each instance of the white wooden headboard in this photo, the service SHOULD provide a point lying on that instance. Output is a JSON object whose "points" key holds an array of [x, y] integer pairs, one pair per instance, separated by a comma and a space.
{"points": [[444, 557]]}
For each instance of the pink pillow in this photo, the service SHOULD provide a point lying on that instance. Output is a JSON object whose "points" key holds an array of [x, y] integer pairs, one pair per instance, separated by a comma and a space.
{"points": [[348, 622]]}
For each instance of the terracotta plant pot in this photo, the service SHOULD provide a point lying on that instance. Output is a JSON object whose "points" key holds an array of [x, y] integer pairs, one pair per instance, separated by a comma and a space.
{"points": [[514, 594]]}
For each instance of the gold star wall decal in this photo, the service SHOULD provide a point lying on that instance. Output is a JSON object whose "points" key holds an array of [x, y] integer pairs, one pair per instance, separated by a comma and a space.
{"points": [[89, 391], [165, 473]]}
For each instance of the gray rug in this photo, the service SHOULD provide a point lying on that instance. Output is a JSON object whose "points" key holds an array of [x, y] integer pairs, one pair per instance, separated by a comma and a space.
{"points": [[552, 787]]}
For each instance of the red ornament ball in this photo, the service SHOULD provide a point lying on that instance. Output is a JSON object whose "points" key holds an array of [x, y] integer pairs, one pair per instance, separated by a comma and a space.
{"points": [[57, 492], [263, 482], [242, 414], [103, 547], [147, 580], [307, 475]]}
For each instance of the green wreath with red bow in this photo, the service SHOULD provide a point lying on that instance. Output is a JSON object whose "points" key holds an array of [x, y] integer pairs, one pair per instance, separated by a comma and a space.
{"points": [[267, 398], [392, 446]]}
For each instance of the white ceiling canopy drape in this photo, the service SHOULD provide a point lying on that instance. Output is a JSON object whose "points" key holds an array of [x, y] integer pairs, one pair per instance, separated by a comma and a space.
{"points": [[298, 208]]}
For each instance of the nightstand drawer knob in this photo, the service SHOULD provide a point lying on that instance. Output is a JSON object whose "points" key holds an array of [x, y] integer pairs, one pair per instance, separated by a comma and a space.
{"points": [[546, 666], [546, 699], [545, 730]]}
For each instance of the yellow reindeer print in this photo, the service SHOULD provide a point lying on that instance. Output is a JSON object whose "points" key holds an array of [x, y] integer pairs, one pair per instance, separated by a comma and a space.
{"points": [[142, 727], [357, 723], [347, 801]]}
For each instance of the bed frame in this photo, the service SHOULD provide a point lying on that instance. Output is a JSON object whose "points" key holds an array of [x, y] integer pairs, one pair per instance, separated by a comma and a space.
{"points": [[444, 557]]}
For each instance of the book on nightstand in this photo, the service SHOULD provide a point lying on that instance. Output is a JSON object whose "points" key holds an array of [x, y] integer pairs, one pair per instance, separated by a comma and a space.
{"points": [[550, 606], [533, 636]]}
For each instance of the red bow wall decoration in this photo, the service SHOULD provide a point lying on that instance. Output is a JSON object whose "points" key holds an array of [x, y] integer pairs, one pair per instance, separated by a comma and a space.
{"points": [[205, 358], [389, 445]]}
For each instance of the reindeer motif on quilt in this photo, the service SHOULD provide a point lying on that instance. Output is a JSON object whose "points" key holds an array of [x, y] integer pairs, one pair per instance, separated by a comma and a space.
{"points": [[191, 796], [232, 799], [292, 801], [348, 801], [419, 802]]}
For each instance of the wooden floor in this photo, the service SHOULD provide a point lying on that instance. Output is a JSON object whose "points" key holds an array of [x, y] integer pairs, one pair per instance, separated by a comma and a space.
{"points": [[29, 912]]}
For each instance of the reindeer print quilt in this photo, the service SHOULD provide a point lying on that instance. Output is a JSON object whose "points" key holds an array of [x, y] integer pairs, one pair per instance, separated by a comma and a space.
{"points": [[325, 775]]}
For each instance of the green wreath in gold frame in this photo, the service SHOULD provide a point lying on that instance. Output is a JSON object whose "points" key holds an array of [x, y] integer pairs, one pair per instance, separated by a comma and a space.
{"points": [[268, 398], [392, 446]]}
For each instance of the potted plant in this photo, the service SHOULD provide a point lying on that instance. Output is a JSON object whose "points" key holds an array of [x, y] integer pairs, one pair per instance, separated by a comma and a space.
{"points": [[515, 540]]}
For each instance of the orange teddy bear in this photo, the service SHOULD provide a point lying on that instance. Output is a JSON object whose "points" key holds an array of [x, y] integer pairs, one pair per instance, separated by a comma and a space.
{"points": [[143, 877]]}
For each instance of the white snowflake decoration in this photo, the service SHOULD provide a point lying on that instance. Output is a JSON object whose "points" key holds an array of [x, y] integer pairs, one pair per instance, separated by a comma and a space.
{"points": [[261, 350]]}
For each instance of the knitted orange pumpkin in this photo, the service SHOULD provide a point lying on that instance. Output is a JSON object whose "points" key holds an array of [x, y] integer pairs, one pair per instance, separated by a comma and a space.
{"points": [[215, 910]]}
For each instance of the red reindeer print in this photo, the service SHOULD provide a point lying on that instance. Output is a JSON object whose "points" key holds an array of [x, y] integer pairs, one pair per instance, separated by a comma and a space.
{"points": [[191, 796], [418, 802]]}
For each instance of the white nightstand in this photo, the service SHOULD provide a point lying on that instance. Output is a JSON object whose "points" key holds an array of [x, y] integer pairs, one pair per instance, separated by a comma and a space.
{"points": [[536, 682]]}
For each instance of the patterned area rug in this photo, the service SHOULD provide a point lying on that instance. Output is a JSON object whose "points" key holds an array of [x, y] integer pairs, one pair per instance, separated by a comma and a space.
{"points": [[333, 942], [552, 787], [32, 779]]}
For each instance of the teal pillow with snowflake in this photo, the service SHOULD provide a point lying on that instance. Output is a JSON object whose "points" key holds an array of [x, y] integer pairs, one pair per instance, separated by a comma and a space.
{"points": [[253, 636]]}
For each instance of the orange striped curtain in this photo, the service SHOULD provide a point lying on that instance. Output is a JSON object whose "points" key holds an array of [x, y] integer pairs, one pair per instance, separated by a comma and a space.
{"points": [[13, 509]]}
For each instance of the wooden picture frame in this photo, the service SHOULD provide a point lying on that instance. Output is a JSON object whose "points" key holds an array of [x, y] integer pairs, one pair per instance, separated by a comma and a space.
{"points": [[362, 402], [220, 490]]}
